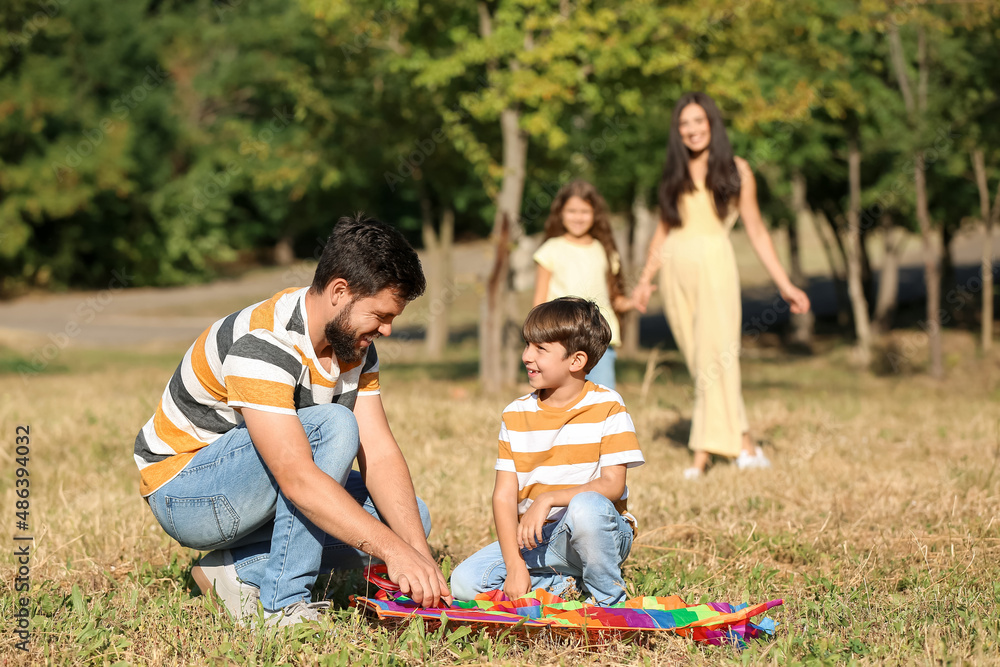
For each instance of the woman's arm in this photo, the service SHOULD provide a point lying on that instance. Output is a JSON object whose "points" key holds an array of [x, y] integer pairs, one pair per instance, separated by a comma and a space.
{"points": [[760, 240], [542, 278], [644, 288]]}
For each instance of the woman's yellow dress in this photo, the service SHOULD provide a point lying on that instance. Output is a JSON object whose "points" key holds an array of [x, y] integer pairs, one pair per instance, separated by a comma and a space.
{"points": [[701, 294]]}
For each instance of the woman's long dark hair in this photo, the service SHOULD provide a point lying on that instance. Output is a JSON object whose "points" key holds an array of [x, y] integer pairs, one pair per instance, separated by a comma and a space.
{"points": [[600, 230], [723, 180]]}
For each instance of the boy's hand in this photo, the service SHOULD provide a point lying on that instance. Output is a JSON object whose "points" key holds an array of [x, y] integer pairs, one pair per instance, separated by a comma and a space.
{"points": [[529, 529], [518, 582]]}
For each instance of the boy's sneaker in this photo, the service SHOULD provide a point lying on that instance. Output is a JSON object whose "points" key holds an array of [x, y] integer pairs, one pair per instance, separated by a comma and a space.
{"points": [[297, 612], [216, 572], [692, 473], [756, 462]]}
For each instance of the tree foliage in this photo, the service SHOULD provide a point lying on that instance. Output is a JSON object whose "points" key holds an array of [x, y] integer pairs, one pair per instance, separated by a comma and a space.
{"points": [[173, 137]]}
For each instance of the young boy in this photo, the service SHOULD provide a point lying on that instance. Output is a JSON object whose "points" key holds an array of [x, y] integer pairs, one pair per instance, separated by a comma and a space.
{"points": [[559, 499]]}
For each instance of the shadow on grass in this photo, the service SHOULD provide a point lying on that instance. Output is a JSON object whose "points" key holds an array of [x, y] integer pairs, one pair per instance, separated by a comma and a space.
{"points": [[669, 370], [758, 385], [457, 335], [678, 433], [340, 585], [466, 369]]}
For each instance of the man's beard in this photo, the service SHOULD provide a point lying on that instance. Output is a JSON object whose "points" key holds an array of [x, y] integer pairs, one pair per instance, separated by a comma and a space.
{"points": [[343, 339]]}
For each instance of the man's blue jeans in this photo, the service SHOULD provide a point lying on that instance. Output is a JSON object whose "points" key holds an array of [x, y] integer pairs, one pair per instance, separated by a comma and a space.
{"points": [[589, 544], [226, 498]]}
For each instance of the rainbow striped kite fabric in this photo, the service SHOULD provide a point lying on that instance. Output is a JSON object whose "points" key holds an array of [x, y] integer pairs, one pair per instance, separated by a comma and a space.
{"points": [[711, 623]]}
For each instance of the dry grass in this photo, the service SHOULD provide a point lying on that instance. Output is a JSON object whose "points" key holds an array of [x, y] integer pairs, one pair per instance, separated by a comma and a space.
{"points": [[878, 524]]}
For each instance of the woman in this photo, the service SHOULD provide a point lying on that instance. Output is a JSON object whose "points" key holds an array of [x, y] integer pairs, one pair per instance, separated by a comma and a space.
{"points": [[703, 190]]}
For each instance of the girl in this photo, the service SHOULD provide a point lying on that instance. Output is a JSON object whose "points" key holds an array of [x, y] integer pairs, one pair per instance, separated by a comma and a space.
{"points": [[578, 257], [702, 192]]}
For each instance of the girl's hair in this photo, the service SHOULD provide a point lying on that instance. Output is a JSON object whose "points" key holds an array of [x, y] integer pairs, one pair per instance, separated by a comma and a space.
{"points": [[723, 180], [600, 230]]}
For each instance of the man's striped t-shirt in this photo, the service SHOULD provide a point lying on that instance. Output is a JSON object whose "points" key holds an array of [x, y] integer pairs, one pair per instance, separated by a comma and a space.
{"points": [[555, 448], [260, 357]]}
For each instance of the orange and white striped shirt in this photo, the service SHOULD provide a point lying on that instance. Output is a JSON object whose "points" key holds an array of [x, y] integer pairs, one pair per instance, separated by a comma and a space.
{"points": [[557, 448], [260, 357]]}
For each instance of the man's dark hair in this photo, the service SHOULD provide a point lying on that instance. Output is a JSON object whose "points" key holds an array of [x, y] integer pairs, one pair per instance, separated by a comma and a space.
{"points": [[371, 256], [576, 324]]}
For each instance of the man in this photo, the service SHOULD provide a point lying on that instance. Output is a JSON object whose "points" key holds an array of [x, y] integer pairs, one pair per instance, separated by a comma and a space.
{"points": [[249, 454]]}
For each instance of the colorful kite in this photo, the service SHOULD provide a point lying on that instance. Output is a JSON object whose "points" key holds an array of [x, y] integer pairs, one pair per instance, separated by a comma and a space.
{"points": [[710, 623]]}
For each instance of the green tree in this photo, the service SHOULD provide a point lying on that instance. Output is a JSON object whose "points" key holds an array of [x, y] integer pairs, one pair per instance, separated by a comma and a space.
{"points": [[85, 107]]}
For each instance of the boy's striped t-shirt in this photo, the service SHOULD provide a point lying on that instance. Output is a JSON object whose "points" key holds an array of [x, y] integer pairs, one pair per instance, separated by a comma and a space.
{"points": [[260, 357], [556, 448]]}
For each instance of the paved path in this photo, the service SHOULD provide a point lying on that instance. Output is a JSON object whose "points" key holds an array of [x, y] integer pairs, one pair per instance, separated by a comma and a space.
{"points": [[171, 316]]}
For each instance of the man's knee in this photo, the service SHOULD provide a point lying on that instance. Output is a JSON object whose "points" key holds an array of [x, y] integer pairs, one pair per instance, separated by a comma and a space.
{"points": [[332, 430], [319, 415]]}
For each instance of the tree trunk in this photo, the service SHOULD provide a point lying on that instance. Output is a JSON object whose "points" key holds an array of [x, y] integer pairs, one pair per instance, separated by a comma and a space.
{"points": [[855, 288], [867, 275], [948, 278], [284, 255], [795, 272], [643, 224], [497, 363], [838, 272], [498, 359], [990, 218], [493, 314], [916, 108], [932, 254], [887, 298], [932, 271], [803, 324], [440, 280], [836, 226]]}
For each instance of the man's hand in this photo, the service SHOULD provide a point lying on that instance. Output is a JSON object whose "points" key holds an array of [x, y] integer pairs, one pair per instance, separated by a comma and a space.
{"points": [[529, 529], [418, 578], [518, 581]]}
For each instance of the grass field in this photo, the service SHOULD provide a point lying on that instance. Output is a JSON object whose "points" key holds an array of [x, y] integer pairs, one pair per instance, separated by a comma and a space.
{"points": [[877, 526]]}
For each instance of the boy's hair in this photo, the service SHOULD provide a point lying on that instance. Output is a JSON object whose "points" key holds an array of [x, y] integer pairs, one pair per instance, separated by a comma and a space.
{"points": [[371, 256], [574, 323]]}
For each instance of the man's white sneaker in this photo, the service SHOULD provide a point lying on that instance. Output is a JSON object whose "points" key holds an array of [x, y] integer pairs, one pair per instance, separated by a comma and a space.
{"points": [[756, 462], [297, 612], [216, 572]]}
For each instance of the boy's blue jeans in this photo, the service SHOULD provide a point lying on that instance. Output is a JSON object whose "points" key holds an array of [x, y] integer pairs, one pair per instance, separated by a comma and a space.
{"points": [[226, 498], [588, 544]]}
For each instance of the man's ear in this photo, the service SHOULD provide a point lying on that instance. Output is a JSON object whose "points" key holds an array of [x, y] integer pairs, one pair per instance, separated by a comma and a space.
{"points": [[578, 361], [338, 291]]}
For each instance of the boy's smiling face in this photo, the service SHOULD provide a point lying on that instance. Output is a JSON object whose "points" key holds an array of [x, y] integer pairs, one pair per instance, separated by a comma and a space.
{"points": [[549, 366]]}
